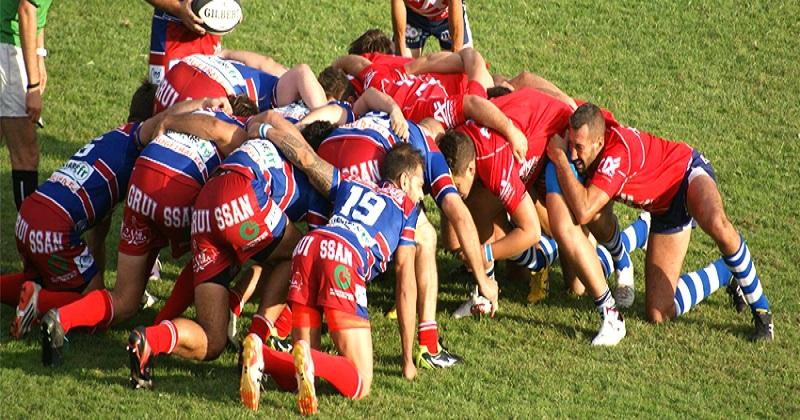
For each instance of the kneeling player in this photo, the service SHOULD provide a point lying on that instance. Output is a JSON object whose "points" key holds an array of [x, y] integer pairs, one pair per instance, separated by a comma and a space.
{"points": [[331, 267]]}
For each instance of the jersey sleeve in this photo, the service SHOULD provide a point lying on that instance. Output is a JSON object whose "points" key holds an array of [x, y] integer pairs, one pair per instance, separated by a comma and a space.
{"points": [[501, 177], [336, 183], [437, 173], [613, 170], [407, 236], [351, 116]]}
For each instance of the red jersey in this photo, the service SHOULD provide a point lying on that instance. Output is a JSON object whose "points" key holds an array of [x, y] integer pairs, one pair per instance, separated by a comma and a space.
{"points": [[432, 9], [640, 169], [539, 117]]}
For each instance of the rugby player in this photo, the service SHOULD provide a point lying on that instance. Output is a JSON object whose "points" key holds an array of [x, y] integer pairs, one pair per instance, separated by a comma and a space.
{"points": [[246, 211], [164, 183], [413, 21], [330, 269], [59, 266], [677, 185]]}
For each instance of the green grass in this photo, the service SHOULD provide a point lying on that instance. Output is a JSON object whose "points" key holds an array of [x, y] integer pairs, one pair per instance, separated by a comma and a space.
{"points": [[721, 75]]}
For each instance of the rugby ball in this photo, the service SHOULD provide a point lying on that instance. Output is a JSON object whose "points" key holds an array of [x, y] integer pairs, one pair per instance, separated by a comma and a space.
{"points": [[481, 306], [219, 16]]}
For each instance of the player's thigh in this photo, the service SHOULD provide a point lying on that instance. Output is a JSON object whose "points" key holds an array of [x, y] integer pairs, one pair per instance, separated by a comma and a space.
{"points": [[663, 264], [704, 203], [211, 303], [355, 344]]}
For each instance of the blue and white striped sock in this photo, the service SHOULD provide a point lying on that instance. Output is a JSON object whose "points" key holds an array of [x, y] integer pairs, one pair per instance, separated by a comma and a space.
{"points": [[617, 249], [695, 286], [537, 258], [744, 271], [606, 262], [487, 249], [635, 236], [606, 300]]}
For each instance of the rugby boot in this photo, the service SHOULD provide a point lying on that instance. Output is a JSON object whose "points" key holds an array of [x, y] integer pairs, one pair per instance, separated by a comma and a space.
{"points": [[539, 285], [304, 373], [441, 359], [612, 330], [26, 310], [53, 339], [140, 359], [737, 296], [762, 320], [624, 292], [277, 343], [250, 382], [465, 309]]}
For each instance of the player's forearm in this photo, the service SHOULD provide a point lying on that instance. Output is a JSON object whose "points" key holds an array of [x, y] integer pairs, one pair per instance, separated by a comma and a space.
{"points": [[374, 100], [487, 114], [574, 192], [226, 136], [334, 114], [406, 298], [255, 60], [461, 221], [517, 241], [28, 40], [351, 64], [456, 24], [399, 26]]}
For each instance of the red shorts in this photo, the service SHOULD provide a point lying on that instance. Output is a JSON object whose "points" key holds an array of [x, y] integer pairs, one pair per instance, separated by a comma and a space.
{"points": [[325, 273], [232, 221], [170, 41], [354, 156], [52, 251], [158, 211]]}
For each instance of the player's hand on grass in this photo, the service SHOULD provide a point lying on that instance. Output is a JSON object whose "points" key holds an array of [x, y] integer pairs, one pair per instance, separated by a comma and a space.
{"points": [[189, 19], [409, 371], [399, 123], [518, 142], [33, 103], [491, 291], [556, 147]]}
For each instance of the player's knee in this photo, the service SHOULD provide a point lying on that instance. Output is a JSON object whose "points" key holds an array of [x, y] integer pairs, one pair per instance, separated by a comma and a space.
{"points": [[216, 340], [125, 304], [659, 314], [719, 226]]}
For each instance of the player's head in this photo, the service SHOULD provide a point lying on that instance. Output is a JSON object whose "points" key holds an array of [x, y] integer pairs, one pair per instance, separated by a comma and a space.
{"points": [[587, 129], [459, 152], [497, 91], [403, 166], [142, 102], [316, 132], [336, 85], [242, 105], [371, 41]]}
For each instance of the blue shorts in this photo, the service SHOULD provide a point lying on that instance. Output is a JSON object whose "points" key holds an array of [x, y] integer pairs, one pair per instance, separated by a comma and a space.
{"points": [[551, 181], [419, 28], [677, 217]]}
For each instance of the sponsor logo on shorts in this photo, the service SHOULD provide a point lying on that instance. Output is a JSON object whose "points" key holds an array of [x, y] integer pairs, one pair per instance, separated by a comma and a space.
{"points": [[203, 257], [64, 277], [341, 275], [58, 264], [135, 233], [248, 230]]}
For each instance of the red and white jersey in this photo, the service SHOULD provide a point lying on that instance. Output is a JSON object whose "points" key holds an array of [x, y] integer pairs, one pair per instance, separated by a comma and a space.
{"points": [[539, 117], [451, 83], [640, 169], [431, 9]]}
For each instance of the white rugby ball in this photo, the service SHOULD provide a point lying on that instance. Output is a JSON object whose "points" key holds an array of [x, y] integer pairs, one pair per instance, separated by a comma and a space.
{"points": [[481, 306], [219, 16]]}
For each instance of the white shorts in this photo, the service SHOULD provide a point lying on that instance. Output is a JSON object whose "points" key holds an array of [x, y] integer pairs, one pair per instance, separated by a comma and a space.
{"points": [[13, 82]]}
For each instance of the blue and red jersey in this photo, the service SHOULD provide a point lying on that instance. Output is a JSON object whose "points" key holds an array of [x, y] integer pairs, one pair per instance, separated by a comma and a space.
{"points": [[94, 179], [188, 157], [276, 179], [374, 219], [171, 40], [358, 149]]}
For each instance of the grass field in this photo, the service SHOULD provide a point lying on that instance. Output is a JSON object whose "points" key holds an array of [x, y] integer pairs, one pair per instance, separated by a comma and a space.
{"points": [[721, 75]]}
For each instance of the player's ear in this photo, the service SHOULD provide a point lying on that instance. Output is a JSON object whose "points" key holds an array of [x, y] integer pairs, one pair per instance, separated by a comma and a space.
{"points": [[471, 168], [405, 181]]}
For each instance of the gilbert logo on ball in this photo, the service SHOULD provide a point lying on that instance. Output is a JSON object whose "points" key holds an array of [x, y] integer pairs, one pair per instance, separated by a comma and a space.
{"points": [[219, 16]]}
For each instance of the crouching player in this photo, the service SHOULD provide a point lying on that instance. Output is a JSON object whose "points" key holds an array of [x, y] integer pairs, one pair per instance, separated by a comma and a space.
{"points": [[677, 185], [59, 266], [330, 269]]}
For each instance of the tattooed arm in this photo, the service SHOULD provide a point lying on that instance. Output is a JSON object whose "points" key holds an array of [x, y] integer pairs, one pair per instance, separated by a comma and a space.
{"points": [[291, 143]]}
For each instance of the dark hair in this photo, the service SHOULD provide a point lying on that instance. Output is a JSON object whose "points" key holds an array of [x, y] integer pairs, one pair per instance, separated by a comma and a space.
{"points": [[590, 114], [334, 82], [371, 41], [458, 150], [402, 158], [316, 132], [497, 91], [141, 107], [242, 105]]}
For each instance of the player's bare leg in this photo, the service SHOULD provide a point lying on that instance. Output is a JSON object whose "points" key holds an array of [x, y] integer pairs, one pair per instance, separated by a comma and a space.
{"points": [[300, 83], [663, 263], [355, 344]]}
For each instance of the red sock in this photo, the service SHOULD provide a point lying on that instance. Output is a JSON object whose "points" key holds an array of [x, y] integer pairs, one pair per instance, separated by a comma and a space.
{"points": [[284, 322], [235, 301], [181, 297], [339, 371], [49, 299], [10, 288], [281, 367], [93, 310], [260, 327], [428, 335], [162, 338]]}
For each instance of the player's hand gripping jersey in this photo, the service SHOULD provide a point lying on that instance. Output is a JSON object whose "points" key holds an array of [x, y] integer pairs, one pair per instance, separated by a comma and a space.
{"points": [[358, 149], [199, 76], [640, 169], [332, 265], [75, 197], [538, 116]]}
